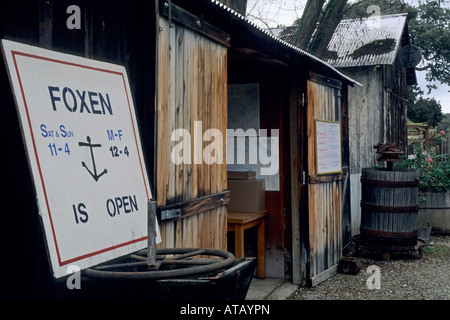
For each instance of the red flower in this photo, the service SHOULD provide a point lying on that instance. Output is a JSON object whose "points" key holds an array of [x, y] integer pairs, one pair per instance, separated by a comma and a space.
{"points": [[442, 132], [430, 160]]}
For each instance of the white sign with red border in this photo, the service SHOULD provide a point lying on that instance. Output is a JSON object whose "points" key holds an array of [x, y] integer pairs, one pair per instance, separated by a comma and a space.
{"points": [[81, 135]]}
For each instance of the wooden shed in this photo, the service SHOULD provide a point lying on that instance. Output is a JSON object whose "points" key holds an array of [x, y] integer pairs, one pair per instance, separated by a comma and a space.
{"points": [[204, 52], [181, 57], [371, 53]]}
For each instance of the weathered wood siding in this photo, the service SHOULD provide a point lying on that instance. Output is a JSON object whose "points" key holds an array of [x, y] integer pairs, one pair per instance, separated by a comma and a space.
{"points": [[191, 86], [377, 114], [395, 107], [365, 106], [324, 197]]}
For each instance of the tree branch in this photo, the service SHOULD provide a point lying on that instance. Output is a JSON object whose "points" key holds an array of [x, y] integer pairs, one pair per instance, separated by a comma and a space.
{"points": [[355, 5], [427, 67]]}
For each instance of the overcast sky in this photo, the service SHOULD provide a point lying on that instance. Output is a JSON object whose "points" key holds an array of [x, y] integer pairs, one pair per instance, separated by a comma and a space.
{"points": [[284, 12]]}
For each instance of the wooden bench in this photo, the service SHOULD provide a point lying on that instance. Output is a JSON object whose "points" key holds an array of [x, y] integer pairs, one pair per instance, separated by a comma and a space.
{"points": [[238, 222]]}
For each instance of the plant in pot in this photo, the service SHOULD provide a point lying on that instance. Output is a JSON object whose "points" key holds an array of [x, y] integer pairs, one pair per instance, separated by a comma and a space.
{"points": [[434, 176]]}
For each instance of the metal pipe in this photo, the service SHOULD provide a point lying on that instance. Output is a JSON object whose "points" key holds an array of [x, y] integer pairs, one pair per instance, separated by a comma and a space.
{"points": [[102, 273]]}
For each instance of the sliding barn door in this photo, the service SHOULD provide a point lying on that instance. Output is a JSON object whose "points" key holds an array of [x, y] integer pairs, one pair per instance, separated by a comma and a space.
{"points": [[191, 96], [324, 188]]}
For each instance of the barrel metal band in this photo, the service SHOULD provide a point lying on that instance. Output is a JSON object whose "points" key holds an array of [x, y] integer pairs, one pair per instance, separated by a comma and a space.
{"points": [[388, 234], [391, 184], [389, 209]]}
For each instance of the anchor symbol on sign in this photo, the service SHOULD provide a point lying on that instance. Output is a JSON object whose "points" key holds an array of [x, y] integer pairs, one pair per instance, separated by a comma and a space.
{"points": [[91, 146]]}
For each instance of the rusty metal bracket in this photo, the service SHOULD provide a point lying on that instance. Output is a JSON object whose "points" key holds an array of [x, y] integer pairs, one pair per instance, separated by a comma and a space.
{"points": [[193, 206], [217, 277]]}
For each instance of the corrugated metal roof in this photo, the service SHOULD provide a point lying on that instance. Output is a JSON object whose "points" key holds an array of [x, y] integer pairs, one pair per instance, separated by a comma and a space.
{"points": [[290, 46], [366, 41], [284, 33]]}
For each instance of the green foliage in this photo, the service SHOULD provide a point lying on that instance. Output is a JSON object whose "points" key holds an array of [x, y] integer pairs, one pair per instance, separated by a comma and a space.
{"points": [[427, 110], [358, 9], [438, 249], [434, 169], [430, 31], [444, 125]]}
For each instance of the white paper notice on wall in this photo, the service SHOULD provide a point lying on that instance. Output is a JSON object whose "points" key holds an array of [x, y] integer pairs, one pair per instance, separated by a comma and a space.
{"points": [[328, 147], [80, 132]]}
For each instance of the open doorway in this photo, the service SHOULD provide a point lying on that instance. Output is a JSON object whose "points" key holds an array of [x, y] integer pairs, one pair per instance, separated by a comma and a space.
{"points": [[258, 102]]}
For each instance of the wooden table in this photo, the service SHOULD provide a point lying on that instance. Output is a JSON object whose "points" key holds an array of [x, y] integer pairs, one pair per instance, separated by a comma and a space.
{"points": [[241, 221]]}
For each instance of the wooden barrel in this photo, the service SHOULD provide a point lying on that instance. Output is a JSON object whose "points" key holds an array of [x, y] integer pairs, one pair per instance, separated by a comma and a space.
{"points": [[389, 206]]}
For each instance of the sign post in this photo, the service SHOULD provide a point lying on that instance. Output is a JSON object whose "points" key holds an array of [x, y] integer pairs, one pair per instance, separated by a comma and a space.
{"points": [[80, 132], [151, 247]]}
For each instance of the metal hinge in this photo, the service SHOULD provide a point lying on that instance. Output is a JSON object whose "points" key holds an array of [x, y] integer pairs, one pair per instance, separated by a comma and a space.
{"points": [[170, 214], [304, 178]]}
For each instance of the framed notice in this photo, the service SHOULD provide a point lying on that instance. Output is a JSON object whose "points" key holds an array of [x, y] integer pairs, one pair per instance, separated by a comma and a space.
{"points": [[328, 147], [80, 132]]}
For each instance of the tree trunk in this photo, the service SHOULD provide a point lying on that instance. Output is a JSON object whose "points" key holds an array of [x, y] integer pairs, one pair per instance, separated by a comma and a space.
{"points": [[308, 23], [334, 12]]}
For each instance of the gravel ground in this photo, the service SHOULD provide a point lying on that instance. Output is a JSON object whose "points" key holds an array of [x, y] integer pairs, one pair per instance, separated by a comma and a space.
{"points": [[405, 277]]}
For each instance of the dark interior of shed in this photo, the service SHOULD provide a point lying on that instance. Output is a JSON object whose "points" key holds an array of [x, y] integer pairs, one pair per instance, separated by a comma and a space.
{"points": [[245, 66]]}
